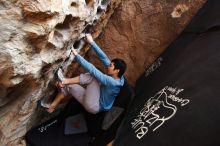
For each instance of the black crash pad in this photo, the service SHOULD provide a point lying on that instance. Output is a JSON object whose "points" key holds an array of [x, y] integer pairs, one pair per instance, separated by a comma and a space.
{"points": [[177, 99]]}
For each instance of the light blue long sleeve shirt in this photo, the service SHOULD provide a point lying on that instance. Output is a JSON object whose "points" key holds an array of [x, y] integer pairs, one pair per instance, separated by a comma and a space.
{"points": [[110, 87]]}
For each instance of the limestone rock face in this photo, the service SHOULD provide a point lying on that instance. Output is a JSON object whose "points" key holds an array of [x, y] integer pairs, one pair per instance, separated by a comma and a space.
{"points": [[140, 30], [34, 40]]}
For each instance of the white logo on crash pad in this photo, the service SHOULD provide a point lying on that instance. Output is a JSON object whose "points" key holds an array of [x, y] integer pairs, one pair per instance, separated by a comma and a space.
{"points": [[157, 110]]}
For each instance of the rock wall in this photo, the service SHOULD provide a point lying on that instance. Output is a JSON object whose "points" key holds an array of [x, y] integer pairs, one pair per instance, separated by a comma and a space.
{"points": [[140, 30], [36, 37]]}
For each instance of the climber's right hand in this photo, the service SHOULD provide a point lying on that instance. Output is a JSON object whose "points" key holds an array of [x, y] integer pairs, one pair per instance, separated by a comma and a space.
{"points": [[60, 84], [74, 51]]}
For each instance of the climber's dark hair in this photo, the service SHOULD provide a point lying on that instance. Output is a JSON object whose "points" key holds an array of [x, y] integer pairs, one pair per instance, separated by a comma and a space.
{"points": [[121, 65]]}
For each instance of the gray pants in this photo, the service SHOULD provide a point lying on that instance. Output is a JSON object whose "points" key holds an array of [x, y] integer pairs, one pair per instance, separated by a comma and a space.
{"points": [[89, 96]]}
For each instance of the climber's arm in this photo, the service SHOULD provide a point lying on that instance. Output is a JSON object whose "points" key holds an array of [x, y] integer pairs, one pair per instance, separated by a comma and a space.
{"points": [[102, 56]]}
